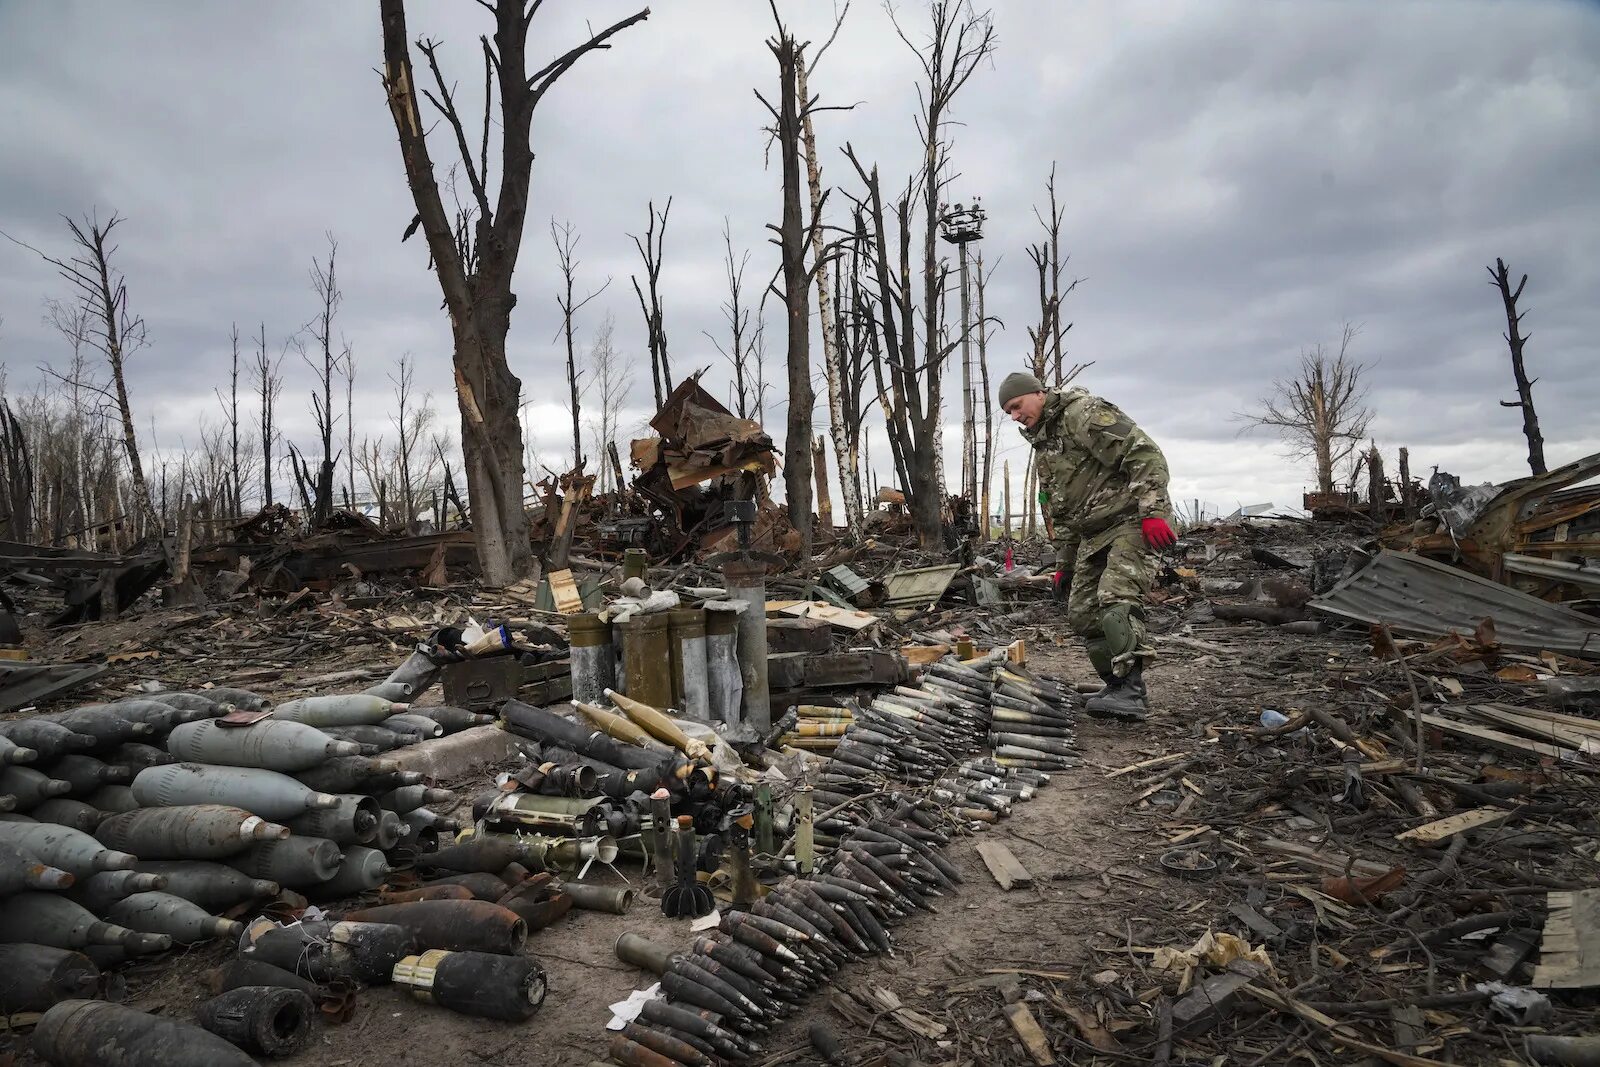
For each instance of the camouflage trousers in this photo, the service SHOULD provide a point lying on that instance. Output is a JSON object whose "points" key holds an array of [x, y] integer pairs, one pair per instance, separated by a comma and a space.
{"points": [[1110, 576]]}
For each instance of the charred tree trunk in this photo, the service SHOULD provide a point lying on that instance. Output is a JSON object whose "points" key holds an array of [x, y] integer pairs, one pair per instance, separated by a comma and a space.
{"points": [[1516, 339], [474, 255], [796, 292], [651, 250]]}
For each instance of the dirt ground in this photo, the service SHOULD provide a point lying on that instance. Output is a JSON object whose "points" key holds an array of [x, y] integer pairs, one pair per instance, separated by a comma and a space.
{"points": [[1091, 856]]}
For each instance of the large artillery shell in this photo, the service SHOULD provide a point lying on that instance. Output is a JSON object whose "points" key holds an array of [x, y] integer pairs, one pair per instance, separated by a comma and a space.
{"points": [[215, 887], [95, 1033], [267, 1020], [265, 793], [353, 822], [295, 861], [60, 846], [34, 977], [269, 744], [192, 831], [325, 951], [457, 925], [353, 709]]}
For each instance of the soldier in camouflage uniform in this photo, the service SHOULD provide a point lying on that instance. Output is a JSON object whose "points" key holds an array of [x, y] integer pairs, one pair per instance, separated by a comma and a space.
{"points": [[1104, 482]]}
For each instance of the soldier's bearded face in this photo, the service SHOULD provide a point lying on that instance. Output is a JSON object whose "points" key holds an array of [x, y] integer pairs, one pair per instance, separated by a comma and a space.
{"points": [[1024, 410]]}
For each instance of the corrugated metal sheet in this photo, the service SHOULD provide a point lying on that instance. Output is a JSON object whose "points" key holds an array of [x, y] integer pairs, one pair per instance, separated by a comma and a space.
{"points": [[1421, 597]]}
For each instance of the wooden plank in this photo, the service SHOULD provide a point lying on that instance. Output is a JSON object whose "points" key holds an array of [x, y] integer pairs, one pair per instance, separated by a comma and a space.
{"points": [[1497, 739], [1569, 955], [839, 618], [1159, 761], [1541, 727], [922, 655], [564, 590], [1441, 830], [1033, 1039], [1005, 867]]}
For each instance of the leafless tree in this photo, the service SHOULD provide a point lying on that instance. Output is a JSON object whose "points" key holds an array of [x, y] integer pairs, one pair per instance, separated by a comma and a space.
{"points": [[1501, 275], [566, 242], [474, 253], [792, 241], [737, 312], [324, 363], [651, 250], [1048, 349], [230, 415], [910, 374], [613, 381], [413, 466], [1321, 412], [102, 293], [832, 358], [348, 367], [267, 369]]}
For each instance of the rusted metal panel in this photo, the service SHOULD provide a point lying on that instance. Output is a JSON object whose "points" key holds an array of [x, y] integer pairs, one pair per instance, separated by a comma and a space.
{"points": [[910, 589], [1414, 595]]}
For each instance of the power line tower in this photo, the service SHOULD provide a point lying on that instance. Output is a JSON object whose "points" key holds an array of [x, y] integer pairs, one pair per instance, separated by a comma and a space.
{"points": [[960, 225]]}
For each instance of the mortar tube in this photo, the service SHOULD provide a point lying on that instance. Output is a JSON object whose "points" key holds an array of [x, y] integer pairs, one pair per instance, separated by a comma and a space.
{"points": [[647, 659], [724, 682], [613, 900], [594, 660], [747, 582]]}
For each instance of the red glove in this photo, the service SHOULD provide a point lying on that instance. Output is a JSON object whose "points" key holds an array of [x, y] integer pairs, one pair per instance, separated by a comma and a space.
{"points": [[1060, 584], [1157, 534]]}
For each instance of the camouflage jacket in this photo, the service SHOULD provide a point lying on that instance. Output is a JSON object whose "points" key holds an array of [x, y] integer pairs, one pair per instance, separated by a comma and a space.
{"points": [[1103, 473]]}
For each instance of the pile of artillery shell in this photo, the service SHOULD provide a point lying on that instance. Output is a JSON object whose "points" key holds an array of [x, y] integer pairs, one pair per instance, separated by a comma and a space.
{"points": [[881, 858]]}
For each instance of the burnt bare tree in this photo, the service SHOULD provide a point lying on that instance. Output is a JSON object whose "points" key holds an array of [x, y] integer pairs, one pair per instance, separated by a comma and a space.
{"points": [[411, 421], [325, 363], [1321, 412], [736, 310], [114, 331], [230, 414], [651, 250], [474, 251], [348, 368], [267, 369], [1516, 339], [613, 381], [566, 241], [797, 274], [910, 368]]}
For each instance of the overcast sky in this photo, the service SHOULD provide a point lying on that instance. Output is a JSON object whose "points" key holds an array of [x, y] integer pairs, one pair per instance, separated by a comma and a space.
{"points": [[1239, 179]]}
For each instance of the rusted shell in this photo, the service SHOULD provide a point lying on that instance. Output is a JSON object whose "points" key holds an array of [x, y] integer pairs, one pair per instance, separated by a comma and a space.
{"points": [[457, 925]]}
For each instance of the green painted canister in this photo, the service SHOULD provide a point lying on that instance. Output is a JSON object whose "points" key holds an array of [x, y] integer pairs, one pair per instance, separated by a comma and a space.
{"points": [[647, 659]]}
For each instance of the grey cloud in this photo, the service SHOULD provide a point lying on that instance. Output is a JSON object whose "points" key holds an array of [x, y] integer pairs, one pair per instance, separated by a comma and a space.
{"points": [[1239, 179]]}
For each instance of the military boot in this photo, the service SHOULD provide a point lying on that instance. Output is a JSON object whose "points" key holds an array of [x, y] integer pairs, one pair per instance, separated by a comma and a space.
{"points": [[1123, 698]]}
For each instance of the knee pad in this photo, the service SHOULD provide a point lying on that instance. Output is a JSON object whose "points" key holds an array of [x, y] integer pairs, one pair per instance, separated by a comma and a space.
{"points": [[1100, 658], [1121, 630]]}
